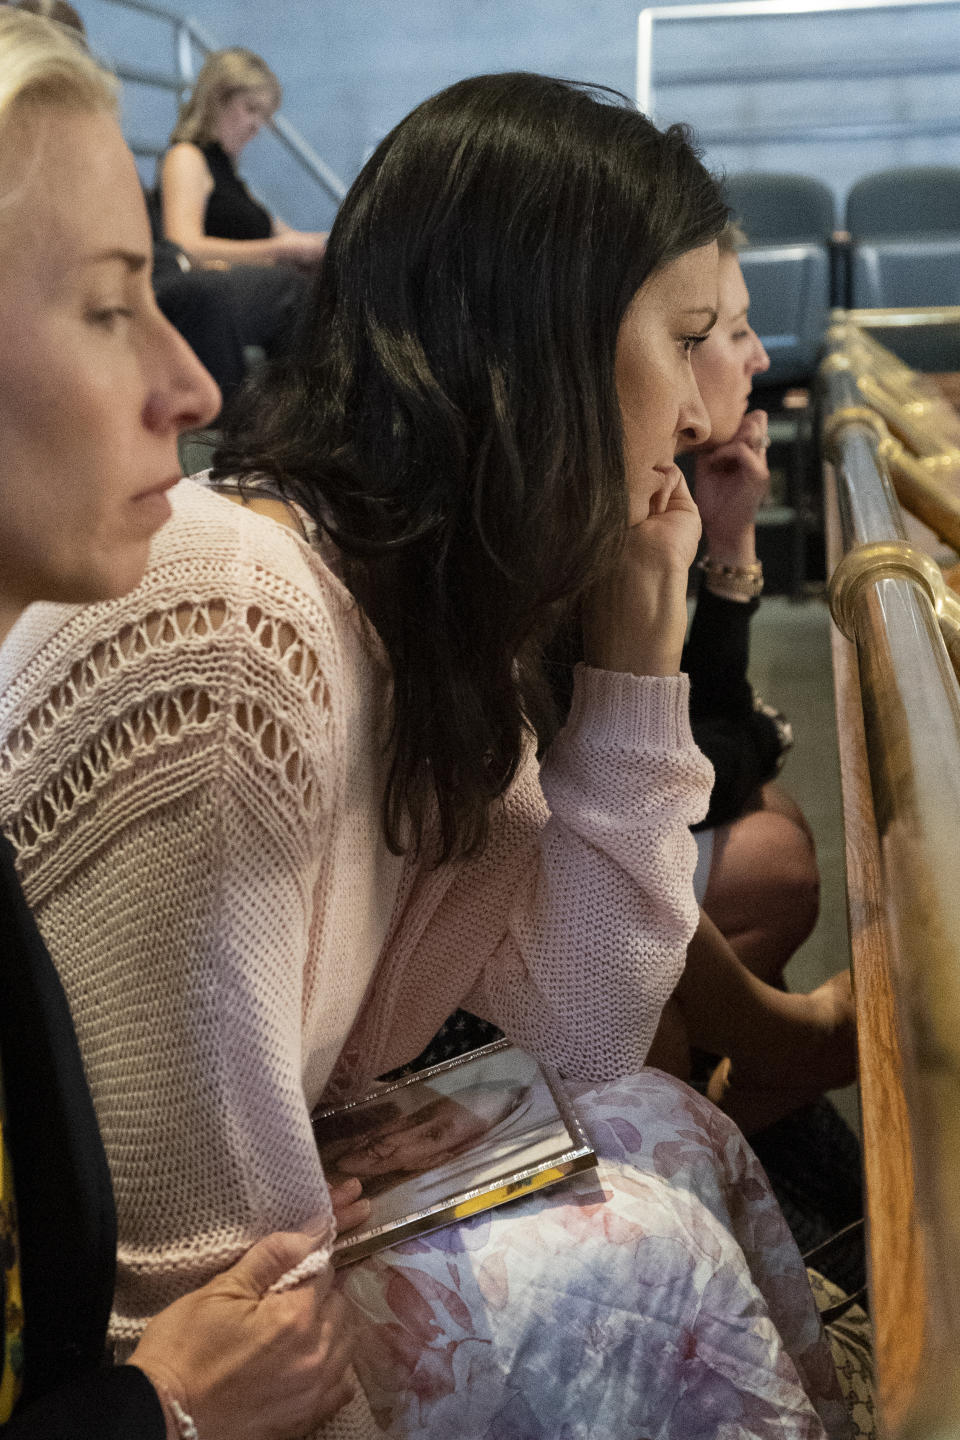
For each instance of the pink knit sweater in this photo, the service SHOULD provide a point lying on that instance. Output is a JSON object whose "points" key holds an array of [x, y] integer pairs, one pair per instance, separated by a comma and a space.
{"points": [[191, 777]]}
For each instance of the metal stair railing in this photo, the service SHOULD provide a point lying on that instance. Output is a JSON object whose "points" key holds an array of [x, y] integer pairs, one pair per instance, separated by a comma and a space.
{"points": [[188, 36]]}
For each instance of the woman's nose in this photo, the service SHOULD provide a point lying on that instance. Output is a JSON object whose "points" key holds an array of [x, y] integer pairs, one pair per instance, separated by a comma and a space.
{"points": [[759, 359], [185, 395], [693, 421]]}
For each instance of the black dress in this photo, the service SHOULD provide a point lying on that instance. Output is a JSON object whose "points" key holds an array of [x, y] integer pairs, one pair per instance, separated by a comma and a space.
{"points": [[742, 743], [67, 1232], [223, 313], [232, 213]]}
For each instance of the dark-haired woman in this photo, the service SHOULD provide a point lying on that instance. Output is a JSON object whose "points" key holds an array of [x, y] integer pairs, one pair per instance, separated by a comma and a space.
{"points": [[281, 810]]}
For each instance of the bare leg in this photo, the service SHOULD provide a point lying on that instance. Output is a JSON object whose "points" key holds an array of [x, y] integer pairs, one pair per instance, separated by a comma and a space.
{"points": [[784, 1049], [763, 893]]}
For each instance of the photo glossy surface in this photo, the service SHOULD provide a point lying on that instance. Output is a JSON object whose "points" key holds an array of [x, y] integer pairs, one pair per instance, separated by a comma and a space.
{"points": [[473, 1131]]}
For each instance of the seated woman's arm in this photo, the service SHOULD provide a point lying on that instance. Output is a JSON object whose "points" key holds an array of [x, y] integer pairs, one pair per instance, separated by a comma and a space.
{"points": [[569, 930], [743, 744], [183, 937], [215, 1352], [186, 185], [231, 1356]]}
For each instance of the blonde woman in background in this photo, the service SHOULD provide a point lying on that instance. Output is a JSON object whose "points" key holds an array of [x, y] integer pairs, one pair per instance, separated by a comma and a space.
{"points": [[207, 209], [757, 856], [93, 392]]}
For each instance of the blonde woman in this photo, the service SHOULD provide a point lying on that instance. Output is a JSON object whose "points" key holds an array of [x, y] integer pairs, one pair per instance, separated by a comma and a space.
{"points": [[757, 851], [207, 209], [92, 397]]}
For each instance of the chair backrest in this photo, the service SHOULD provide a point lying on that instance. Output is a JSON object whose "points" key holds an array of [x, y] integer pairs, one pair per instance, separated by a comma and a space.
{"points": [[889, 273], [789, 307], [776, 208], [915, 200]]}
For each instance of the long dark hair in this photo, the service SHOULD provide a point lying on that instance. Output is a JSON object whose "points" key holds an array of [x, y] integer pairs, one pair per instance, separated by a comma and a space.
{"points": [[450, 418]]}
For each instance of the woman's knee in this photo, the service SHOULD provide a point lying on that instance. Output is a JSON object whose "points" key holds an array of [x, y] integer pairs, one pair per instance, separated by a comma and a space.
{"points": [[764, 880]]}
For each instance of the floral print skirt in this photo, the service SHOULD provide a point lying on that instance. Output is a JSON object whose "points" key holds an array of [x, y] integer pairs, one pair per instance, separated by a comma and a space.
{"points": [[660, 1297]]}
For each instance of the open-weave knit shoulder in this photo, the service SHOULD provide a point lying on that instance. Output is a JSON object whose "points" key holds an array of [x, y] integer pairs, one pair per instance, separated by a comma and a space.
{"points": [[216, 672]]}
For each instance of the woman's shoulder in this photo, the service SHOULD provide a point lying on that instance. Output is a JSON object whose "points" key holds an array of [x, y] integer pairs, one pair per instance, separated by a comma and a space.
{"points": [[216, 569], [236, 635], [183, 159], [236, 551]]}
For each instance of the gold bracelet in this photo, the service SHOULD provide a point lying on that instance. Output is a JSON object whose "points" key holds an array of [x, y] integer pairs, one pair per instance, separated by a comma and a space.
{"points": [[732, 582]]}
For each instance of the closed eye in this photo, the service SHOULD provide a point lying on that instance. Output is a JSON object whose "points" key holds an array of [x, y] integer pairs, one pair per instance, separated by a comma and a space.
{"points": [[110, 314], [689, 343]]}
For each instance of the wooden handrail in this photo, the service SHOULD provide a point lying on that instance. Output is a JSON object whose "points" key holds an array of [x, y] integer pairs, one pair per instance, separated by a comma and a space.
{"points": [[904, 882]]}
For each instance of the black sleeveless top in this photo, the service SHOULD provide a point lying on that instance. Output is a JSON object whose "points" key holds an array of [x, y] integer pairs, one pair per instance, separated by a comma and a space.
{"points": [[232, 213]]}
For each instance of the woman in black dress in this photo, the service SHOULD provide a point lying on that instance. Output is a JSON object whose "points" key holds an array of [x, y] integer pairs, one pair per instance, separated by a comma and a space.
{"points": [[207, 209]]}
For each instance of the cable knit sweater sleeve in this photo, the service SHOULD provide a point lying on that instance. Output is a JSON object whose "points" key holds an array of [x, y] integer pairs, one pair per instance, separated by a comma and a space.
{"points": [[574, 922]]}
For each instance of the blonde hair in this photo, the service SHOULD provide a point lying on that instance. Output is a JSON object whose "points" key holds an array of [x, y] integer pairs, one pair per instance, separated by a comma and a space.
{"points": [[39, 61], [60, 11], [225, 73]]}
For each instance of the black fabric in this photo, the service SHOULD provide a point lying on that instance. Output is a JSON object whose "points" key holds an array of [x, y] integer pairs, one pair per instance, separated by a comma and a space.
{"points": [[154, 203], [742, 744], [222, 312], [232, 213], [66, 1216], [814, 1163], [458, 1035], [118, 1404]]}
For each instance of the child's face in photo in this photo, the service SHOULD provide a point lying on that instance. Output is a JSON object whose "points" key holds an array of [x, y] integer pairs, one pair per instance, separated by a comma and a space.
{"points": [[412, 1143]]}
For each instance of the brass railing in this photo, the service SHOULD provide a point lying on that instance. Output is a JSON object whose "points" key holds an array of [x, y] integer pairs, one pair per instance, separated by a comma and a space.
{"points": [[889, 598]]}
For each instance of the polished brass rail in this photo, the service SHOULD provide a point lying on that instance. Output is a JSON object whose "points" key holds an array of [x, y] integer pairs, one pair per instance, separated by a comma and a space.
{"points": [[890, 600]]}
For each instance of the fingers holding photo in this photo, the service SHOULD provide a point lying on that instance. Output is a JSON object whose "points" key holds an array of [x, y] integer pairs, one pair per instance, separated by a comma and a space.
{"points": [[350, 1206]]}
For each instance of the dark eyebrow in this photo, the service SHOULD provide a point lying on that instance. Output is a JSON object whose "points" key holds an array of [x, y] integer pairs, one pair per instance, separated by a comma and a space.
{"points": [[134, 260]]}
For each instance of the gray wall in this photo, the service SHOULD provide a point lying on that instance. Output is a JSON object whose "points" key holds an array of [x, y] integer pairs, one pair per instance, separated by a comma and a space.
{"points": [[352, 68]]}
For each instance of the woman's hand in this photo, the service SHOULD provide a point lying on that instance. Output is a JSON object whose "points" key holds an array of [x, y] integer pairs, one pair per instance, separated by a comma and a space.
{"points": [[670, 533], [250, 1364], [636, 619], [303, 248], [731, 482]]}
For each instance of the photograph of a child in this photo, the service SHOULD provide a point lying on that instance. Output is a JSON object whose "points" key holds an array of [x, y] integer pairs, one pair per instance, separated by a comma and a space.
{"points": [[464, 1126]]}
